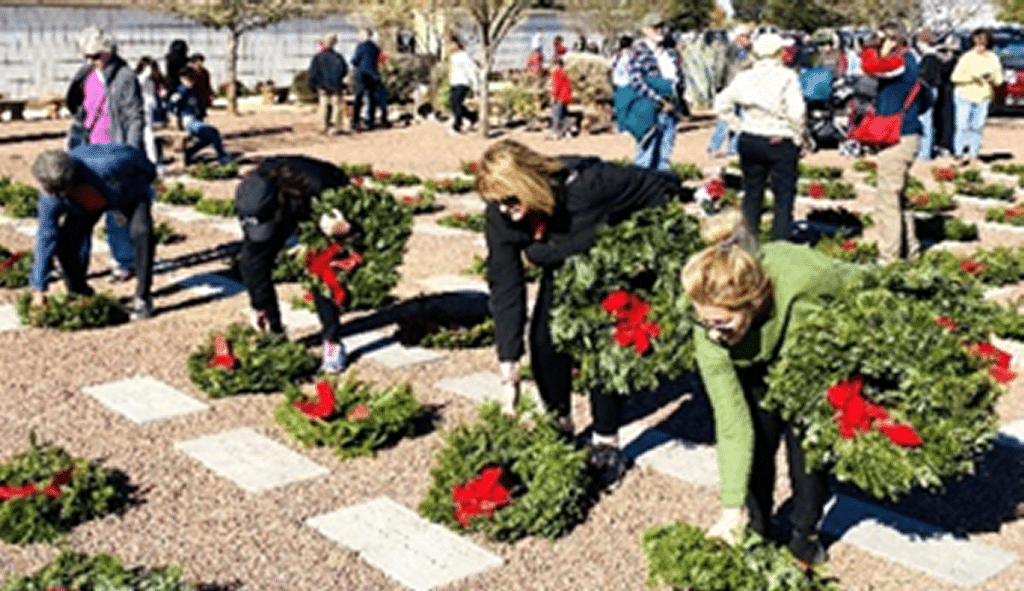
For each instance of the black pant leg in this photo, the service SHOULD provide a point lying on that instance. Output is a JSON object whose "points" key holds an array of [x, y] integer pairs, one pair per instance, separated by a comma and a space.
{"points": [[72, 236], [257, 266], [606, 410], [140, 227], [810, 491], [552, 370], [359, 91], [458, 105], [768, 430], [330, 317], [754, 164], [783, 175]]}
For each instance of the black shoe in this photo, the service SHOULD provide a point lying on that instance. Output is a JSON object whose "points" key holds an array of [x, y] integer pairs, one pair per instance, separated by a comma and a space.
{"points": [[607, 466], [807, 549]]}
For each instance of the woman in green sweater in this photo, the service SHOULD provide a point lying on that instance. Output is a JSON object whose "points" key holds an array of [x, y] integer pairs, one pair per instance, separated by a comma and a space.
{"points": [[746, 300]]}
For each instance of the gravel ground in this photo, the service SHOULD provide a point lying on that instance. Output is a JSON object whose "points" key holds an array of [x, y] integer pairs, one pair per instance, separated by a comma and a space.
{"points": [[220, 534]]}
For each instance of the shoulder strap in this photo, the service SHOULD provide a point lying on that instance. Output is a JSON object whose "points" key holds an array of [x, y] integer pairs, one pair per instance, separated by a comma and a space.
{"points": [[910, 97]]}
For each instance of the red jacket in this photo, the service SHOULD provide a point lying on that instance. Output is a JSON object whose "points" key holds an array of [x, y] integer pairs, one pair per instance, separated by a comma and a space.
{"points": [[883, 67], [561, 86]]}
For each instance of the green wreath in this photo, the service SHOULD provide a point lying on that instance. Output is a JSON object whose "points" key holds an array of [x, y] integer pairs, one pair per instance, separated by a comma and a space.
{"points": [[255, 362], [384, 228], [72, 312], [553, 498], [643, 256], [910, 370], [14, 267], [73, 570], [353, 417], [681, 555], [45, 492]]}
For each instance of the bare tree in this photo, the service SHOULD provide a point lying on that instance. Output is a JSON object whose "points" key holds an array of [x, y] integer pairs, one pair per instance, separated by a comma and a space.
{"points": [[874, 12], [237, 17], [947, 15]]}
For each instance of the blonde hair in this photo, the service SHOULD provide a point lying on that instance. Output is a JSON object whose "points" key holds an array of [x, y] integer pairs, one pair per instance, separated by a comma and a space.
{"points": [[728, 273], [510, 169]]}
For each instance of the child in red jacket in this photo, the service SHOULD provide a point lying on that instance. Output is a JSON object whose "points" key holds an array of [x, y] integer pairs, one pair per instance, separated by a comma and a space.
{"points": [[561, 96]]}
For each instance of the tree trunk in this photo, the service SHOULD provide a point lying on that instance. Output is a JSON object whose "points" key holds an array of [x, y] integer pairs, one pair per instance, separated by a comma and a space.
{"points": [[485, 93], [232, 63]]}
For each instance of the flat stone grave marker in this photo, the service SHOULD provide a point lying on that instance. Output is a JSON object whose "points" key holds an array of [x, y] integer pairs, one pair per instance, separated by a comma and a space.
{"points": [[209, 285], [1012, 434], [484, 386], [298, 318], [384, 348], [228, 226], [997, 227], [9, 317], [144, 399], [182, 213], [695, 463], [250, 460], [29, 230], [409, 549], [446, 283], [912, 543]]}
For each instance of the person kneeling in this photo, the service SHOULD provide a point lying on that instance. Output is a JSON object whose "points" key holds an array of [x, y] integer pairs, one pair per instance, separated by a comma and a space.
{"points": [[78, 186]]}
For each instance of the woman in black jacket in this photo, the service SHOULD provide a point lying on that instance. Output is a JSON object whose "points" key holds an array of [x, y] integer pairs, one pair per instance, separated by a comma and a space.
{"points": [[550, 208], [271, 202]]}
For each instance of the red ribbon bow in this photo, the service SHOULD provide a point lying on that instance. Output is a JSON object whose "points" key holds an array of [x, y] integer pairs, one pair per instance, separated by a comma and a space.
{"points": [[944, 174], [947, 323], [322, 264], [631, 325], [854, 414], [973, 267], [1000, 360], [848, 245], [816, 191], [359, 413], [51, 490], [323, 407], [222, 356], [481, 495], [12, 260]]}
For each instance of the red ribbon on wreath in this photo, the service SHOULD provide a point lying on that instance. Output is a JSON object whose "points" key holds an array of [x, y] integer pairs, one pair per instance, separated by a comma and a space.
{"points": [[855, 414], [481, 495], [715, 188], [324, 405], [323, 264], [52, 489], [631, 325], [12, 260], [222, 356], [1000, 360]]}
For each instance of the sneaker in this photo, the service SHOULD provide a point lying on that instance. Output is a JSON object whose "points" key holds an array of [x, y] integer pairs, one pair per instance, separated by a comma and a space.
{"points": [[607, 466], [334, 358], [808, 550], [259, 320], [140, 309], [119, 275]]}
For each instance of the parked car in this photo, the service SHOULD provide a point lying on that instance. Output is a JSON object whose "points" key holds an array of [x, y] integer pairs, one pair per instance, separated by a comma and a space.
{"points": [[1009, 46]]}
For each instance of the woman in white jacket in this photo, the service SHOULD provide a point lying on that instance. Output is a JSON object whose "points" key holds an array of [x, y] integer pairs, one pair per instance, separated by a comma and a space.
{"points": [[771, 132]]}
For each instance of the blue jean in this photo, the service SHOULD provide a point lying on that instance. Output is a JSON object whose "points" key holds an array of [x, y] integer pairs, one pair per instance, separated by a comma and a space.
{"points": [[205, 135], [655, 151], [927, 119], [120, 241], [718, 137], [970, 121]]}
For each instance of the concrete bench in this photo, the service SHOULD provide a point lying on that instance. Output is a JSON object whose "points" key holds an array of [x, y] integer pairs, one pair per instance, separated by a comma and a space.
{"points": [[16, 109]]}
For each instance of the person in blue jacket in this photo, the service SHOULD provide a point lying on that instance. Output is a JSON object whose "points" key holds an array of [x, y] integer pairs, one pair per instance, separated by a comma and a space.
{"points": [[77, 187], [191, 108], [366, 77]]}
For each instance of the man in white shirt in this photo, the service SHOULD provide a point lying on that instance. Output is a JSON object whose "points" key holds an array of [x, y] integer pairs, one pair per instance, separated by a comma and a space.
{"points": [[462, 79]]}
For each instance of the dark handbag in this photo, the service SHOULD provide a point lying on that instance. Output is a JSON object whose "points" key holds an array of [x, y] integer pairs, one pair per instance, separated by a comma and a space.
{"points": [[882, 131]]}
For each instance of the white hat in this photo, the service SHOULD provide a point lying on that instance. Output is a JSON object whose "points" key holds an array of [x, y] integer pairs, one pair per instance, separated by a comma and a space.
{"points": [[768, 44], [742, 29], [95, 40]]}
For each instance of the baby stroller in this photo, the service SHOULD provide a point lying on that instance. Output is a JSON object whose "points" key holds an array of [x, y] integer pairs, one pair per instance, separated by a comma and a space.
{"points": [[859, 102], [817, 87]]}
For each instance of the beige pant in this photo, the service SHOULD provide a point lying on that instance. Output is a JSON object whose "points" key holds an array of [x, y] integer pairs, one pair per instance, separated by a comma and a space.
{"points": [[896, 238], [331, 109]]}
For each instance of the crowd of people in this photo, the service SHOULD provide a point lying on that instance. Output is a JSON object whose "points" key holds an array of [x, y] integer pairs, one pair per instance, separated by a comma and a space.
{"points": [[547, 208]]}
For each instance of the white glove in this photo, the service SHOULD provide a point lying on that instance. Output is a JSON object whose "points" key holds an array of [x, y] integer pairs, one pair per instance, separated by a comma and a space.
{"points": [[334, 224], [509, 386], [731, 520]]}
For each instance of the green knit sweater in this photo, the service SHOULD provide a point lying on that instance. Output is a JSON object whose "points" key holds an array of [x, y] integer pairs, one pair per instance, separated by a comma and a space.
{"points": [[799, 275]]}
